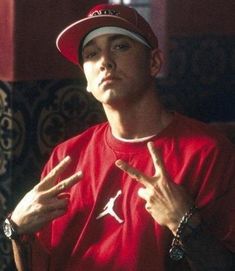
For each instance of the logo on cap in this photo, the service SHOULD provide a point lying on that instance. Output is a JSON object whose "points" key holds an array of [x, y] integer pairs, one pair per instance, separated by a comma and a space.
{"points": [[104, 12]]}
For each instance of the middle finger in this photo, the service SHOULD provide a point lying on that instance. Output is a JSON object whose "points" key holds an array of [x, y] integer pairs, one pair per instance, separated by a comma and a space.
{"points": [[63, 185]]}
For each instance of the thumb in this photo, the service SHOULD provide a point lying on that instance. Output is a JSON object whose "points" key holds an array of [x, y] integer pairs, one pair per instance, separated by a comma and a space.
{"points": [[143, 193]]}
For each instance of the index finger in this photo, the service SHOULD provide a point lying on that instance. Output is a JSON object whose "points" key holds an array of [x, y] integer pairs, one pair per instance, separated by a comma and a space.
{"points": [[134, 173], [51, 177], [158, 165]]}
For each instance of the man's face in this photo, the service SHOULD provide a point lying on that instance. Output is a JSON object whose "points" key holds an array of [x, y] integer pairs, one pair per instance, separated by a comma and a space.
{"points": [[117, 68]]}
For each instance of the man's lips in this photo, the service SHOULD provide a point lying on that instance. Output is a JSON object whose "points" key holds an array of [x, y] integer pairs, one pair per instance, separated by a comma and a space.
{"points": [[108, 79]]}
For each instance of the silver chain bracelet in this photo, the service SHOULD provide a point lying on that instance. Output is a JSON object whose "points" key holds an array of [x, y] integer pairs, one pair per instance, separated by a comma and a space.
{"points": [[176, 251]]}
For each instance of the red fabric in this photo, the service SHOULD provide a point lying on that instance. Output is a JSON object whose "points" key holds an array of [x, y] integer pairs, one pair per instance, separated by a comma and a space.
{"points": [[193, 156]]}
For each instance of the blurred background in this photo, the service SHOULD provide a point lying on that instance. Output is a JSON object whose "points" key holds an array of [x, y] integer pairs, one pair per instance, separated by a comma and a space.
{"points": [[43, 98]]}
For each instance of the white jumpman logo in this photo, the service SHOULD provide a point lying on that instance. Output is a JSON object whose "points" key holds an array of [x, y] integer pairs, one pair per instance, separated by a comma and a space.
{"points": [[108, 209]]}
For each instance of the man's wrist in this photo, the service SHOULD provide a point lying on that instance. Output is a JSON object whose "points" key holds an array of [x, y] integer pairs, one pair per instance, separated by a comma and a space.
{"points": [[192, 225], [12, 232], [189, 221]]}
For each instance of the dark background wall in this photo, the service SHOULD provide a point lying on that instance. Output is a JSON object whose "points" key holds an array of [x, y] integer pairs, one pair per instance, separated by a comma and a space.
{"points": [[43, 98]]}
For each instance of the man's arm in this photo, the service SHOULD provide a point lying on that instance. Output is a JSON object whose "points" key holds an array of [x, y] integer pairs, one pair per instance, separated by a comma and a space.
{"points": [[25, 251], [22, 256], [168, 203], [204, 252], [45, 202]]}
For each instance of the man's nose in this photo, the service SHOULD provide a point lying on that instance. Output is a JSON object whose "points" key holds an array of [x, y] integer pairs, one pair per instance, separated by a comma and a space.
{"points": [[107, 61]]}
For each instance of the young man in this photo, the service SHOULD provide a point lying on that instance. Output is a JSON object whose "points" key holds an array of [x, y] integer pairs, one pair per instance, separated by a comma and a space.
{"points": [[148, 190]]}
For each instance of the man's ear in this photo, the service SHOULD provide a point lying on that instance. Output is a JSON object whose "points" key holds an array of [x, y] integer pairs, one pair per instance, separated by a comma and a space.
{"points": [[156, 61], [87, 89]]}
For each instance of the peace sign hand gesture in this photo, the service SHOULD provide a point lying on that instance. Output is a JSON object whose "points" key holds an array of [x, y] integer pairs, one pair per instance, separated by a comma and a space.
{"points": [[46, 201], [166, 201]]}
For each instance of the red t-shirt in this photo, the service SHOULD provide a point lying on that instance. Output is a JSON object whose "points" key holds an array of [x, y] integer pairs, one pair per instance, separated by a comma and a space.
{"points": [[107, 227]]}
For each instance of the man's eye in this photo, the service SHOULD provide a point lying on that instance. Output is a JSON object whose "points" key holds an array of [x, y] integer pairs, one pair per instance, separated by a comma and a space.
{"points": [[121, 46], [89, 55]]}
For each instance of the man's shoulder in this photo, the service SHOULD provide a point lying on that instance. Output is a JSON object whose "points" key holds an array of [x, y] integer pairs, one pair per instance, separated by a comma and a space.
{"points": [[196, 132], [84, 138]]}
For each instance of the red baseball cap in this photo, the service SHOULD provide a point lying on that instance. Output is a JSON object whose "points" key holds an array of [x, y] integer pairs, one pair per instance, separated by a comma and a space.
{"points": [[71, 38]]}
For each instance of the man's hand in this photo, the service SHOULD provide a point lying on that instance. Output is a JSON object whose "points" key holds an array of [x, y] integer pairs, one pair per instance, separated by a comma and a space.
{"points": [[46, 201], [166, 201]]}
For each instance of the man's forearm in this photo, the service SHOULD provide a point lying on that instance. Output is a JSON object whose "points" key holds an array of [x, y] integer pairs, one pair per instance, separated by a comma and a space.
{"points": [[205, 253], [22, 255]]}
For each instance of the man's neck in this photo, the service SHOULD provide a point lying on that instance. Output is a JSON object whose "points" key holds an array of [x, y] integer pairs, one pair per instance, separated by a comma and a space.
{"points": [[132, 122]]}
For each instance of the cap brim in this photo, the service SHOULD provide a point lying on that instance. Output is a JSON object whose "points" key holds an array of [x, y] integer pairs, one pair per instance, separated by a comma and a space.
{"points": [[69, 40]]}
